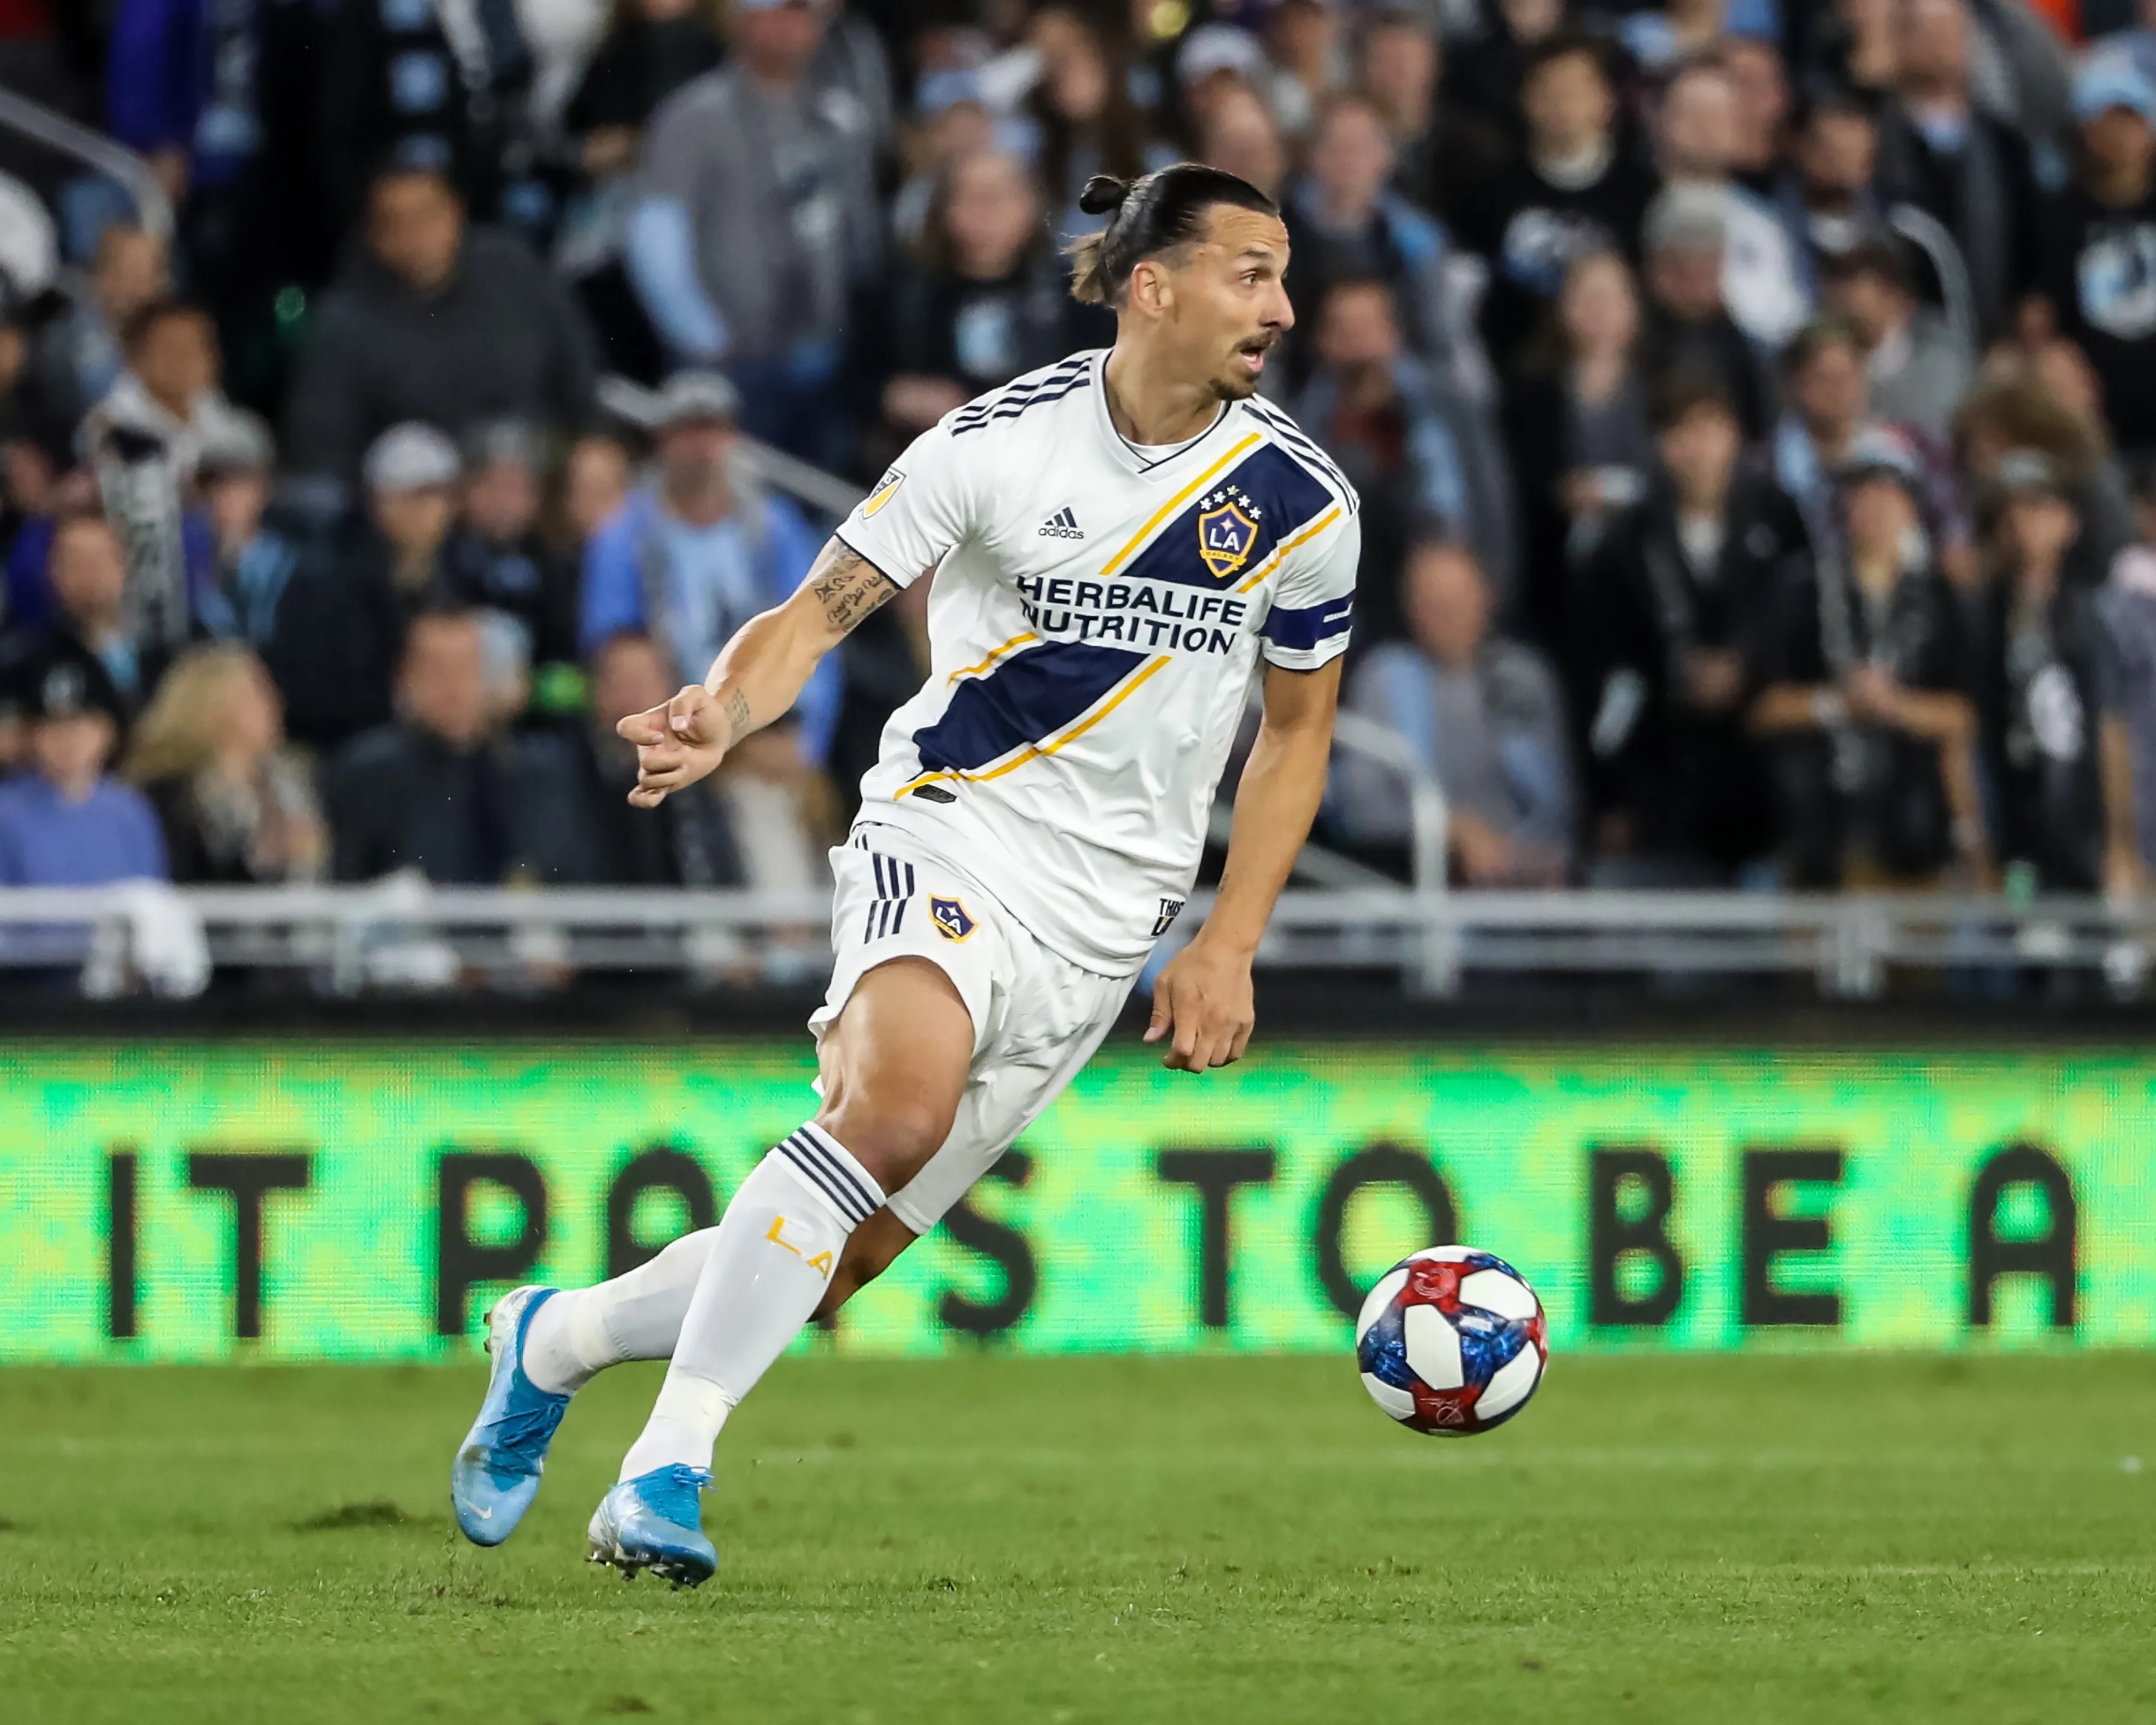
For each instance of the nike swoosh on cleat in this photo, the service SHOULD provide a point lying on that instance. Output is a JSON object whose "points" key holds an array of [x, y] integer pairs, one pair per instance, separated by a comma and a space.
{"points": [[485, 1515]]}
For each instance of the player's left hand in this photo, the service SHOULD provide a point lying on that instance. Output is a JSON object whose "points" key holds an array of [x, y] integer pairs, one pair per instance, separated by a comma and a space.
{"points": [[1202, 1001]]}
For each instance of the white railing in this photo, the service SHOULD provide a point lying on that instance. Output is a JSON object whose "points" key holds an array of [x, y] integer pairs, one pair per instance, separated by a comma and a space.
{"points": [[403, 934], [94, 151]]}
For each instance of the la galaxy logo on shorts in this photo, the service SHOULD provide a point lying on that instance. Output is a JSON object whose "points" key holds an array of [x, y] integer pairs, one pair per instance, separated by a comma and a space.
{"points": [[1227, 531], [1170, 909], [951, 919]]}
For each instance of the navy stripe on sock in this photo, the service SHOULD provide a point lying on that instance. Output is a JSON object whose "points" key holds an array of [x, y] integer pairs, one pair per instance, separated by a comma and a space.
{"points": [[796, 1151], [839, 1162]]}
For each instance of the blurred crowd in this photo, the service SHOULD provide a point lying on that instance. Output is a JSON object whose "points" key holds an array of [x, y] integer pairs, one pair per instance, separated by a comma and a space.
{"points": [[1753, 404]]}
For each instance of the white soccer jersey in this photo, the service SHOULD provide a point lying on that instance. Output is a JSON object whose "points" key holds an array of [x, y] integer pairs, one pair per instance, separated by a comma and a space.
{"points": [[1096, 612]]}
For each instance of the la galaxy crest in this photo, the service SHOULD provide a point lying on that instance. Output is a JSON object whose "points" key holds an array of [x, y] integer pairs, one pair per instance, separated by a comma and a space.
{"points": [[1227, 531], [951, 918]]}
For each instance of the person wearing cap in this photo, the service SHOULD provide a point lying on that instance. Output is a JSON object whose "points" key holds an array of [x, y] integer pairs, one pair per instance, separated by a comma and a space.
{"points": [[495, 556], [692, 556], [1688, 326], [2052, 737], [432, 320], [1574, 188], [340, 624], [757, 224], [252, 563], [64, 823], [2099, 254], [1863, 669]]}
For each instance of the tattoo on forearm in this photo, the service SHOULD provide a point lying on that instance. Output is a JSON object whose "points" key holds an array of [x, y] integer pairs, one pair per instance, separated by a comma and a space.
{"points": [[737, 712], [848, 585]]}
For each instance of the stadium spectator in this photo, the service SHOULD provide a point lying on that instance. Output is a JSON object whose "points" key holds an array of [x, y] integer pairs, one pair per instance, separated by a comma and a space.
{"points": [[650, 50], [222, 100], [439, 790], [208, 752], [1086, 122], [1303, 40], [2054, 746], [1486, 75], [144, 440], [951, 121], [64, 823], [1573, 190], [87, 579], [690, 558], [987, 301], [495, 556], [1689, 327], [76, 356], [340, 626], [1755, 67], [1761, 283], [1863, 663], [1667, 616], [2101, 229], [433, 321], [251, 562], [1439, 152], [1832, 201], [1917, 366], [595, 482], [1424, 458], [1240, 135], [1577, 428], [1828, 412], [1344, 223], [1485, 719], [395, 89], [758, 225], [689, 840], [1939, 154]]}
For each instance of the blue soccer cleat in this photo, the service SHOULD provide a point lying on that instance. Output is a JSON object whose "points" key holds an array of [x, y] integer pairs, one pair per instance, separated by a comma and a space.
{"points": [[496, 1473], [654, 1522]]}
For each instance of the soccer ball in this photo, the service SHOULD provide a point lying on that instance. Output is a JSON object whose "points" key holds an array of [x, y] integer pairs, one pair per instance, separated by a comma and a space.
{"points": [[1451, 1341]]}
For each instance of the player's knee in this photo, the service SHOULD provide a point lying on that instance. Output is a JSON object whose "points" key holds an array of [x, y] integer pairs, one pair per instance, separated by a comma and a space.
{"points": [[892, 1136]]}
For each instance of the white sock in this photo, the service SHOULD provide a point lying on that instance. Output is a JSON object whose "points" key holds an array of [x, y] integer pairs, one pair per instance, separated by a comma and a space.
{"points": [[581, 1331], [777, 1247]]}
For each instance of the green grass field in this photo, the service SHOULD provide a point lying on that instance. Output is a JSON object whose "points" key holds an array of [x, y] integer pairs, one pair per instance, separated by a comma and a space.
{"points": [[1750, 1539]]}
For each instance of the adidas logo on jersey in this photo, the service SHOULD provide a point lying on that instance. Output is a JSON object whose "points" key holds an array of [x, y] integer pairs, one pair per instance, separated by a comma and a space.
{"points": [[1062, 525]]}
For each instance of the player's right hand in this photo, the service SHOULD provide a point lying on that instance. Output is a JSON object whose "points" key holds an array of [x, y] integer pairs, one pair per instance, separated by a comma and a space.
{"points": [[676, 744]]}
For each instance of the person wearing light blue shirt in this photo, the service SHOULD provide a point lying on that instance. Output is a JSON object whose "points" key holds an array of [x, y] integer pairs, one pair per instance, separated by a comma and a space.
{"points": [[691, 558]]}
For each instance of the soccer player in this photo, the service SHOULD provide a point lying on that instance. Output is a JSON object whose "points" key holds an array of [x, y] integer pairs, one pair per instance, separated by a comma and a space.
{"points": [[1115, 541]]}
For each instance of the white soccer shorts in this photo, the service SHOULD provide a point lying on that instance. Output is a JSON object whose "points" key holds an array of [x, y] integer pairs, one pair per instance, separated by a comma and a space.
{"points": [[1037, 1017]]}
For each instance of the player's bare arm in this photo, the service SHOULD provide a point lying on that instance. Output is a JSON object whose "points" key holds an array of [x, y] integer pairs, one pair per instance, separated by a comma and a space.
{"points": [[1202, 1001], [758, 677]]}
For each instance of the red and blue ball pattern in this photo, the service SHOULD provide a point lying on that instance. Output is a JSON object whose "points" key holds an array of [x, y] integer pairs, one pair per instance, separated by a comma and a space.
{"points": [[1451, 1342]]}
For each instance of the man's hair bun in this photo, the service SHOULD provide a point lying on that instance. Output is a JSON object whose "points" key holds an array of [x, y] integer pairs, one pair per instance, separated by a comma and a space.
{"points": [[1103, 194]]}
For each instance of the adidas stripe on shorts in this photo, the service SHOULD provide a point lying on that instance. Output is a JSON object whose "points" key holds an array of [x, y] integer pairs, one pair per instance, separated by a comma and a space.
{"points": [[1037, 1017]]}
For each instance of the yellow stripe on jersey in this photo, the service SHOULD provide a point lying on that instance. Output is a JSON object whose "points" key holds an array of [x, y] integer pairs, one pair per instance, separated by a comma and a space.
{"points": [[1035, 751], [1286, 546], [1177, 502], [974, 670]]}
